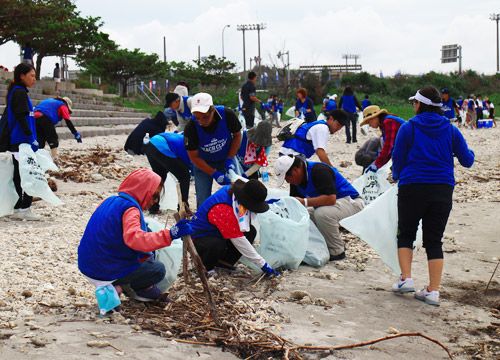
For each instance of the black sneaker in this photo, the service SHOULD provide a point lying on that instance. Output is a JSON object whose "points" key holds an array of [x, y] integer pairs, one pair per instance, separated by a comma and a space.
{"points": [[337, 257]]}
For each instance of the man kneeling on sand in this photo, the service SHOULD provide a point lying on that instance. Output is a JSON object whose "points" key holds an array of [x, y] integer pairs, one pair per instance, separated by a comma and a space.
{"points": [[328, 197]]}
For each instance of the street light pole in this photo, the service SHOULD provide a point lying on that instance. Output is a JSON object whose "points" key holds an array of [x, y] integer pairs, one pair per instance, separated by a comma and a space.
{"points": [[496, 17], [224, 28]]}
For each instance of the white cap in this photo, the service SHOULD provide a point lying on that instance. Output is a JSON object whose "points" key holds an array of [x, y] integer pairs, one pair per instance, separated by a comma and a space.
{"points": [[201, 102], [333, 97], [281, 166]]}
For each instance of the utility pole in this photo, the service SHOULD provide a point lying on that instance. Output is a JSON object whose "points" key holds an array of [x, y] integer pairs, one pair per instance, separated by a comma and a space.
{"points": [[244, 28], [496, 17], [224, 28], [165, 49]]}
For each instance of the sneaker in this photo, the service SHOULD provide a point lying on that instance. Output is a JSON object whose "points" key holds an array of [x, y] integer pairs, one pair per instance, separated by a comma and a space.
{"points": [[403, 286], [211, 273], [150, 294], [340, 256], [24, 214], [430, 297]]}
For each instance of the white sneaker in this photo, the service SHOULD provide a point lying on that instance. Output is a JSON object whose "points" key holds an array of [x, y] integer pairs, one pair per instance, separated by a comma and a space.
{"points": [[403, 286], [25, 214], [430, 297]]}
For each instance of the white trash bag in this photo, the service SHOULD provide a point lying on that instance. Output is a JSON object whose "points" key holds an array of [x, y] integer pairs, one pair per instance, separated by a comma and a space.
{"points": [[291, 112], [321, 117], [317, 253], [377, 225], [45, 161], [281, 234], [33, 179], [8, 193], [170, 256], [169, 199], [371, 184]]}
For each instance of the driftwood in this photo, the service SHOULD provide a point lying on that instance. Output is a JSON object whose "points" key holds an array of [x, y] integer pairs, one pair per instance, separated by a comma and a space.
{"points": [[182, 215], [491, 278]]}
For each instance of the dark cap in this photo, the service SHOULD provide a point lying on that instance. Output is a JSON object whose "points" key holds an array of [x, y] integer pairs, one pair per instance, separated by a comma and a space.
{"points": [[170, 98], [445, 91]]}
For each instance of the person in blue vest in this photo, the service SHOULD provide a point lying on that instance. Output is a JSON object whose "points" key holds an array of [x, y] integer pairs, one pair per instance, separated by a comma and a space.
{"points": [[274, 110], [116, 247], [212, 139], [304, 106], [327, 195], [330, 104], [255, 146], [22, 130], [48, 114], [312, 138], [350, 104], [389, 124], [423, 162], [223, 229], [166, 153], [366, 102], [28, 55], [449, 107]]}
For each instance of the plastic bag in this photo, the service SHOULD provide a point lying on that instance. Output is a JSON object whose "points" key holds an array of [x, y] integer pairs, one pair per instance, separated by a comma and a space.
{"points": [[371, 184], [321, 117], [45, 161], [281, 234], [33, 179], [169, 199], [291, 112], [8, 194], [317, 253], [170, 256], [377, 225]]}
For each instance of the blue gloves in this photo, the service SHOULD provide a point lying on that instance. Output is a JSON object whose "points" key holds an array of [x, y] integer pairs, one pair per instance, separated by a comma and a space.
{"points": [[372, 167], [272, 201], [269, 270], [229, 165], [78, 137], [182, 228], [34, 145], [221, 178]]}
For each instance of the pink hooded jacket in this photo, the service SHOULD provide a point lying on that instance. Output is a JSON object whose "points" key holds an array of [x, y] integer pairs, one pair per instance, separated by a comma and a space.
{"points": [[141, 185]]}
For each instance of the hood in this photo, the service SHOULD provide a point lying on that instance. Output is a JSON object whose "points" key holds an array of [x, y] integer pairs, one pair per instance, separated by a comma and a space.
{"points": [[432, 124], [141, 185], [160, 119]]}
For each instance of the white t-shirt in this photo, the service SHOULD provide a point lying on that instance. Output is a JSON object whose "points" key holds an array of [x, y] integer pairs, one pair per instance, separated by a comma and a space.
{"points": [[318, 134]]}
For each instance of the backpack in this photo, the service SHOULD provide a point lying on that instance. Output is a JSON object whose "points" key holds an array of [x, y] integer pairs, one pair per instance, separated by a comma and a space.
{"points": [[4, 131], [287, 132]]}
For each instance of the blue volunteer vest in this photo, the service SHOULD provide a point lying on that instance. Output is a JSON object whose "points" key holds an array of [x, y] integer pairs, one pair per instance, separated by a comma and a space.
{"points": [[299, 142], [49, 108], [171, 145], [330, 105], [460, 103], [343, 187], [200, 224], [348, 103], [447, 108], [187, 113], [102, 253], [398, 119], [17, 135], [215, 147]]}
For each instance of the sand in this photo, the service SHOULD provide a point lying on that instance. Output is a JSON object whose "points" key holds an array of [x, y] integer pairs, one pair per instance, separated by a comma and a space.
{"points": [[48, 310]]}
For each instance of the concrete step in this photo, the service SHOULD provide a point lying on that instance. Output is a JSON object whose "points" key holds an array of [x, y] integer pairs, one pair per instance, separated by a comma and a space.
{"points": [[88, 110], [107, 121], [91, 131]]}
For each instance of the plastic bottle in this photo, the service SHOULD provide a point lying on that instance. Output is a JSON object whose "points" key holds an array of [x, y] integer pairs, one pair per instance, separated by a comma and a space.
{"points": [[146, 139], [265, 175]]}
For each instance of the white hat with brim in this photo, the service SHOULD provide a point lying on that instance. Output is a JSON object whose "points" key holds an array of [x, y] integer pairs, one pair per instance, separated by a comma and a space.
{"points": [[281, 166], [201, 102]]}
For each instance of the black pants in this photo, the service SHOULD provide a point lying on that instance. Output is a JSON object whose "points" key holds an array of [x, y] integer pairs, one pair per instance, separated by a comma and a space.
{"points": [[351, 121], [162, 165], [25, 200], [46, 132], [430, 203], [212, 249], [249, 116]]}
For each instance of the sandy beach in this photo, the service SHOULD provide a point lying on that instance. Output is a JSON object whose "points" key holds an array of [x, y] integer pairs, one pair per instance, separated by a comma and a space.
{"points": [[48, 310]]}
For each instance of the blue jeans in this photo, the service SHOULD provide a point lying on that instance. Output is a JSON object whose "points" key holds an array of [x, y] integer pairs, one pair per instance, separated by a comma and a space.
{"points": [[203, 181], [148, 273]]}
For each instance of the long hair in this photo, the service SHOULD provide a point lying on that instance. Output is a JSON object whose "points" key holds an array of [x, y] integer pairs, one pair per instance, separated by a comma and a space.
{"points": [[21, 69]]}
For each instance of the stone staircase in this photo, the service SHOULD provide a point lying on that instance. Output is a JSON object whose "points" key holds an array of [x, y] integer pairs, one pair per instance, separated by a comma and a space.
{"points": [[92, 115]]}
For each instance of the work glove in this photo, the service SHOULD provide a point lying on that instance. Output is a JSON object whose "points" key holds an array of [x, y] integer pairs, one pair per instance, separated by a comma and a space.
{"points": [[78, 137], [269, 270], [182, 228], [229, 165], [34, 146], [221, 178], [372, 167]]}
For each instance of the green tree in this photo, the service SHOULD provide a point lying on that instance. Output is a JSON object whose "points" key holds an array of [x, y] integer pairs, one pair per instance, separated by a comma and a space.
{"points": [[216, 71]]}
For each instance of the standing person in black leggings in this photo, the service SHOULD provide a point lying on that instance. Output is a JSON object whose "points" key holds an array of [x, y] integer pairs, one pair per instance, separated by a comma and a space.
{"points": [[423, 162], [166, 153], [22, 131]]}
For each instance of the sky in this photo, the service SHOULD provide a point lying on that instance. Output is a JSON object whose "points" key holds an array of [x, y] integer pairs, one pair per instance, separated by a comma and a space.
{"points": [[389, 35]]}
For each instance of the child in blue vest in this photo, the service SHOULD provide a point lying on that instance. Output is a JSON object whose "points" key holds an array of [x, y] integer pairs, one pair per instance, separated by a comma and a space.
{"points": [[116, 246]]}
